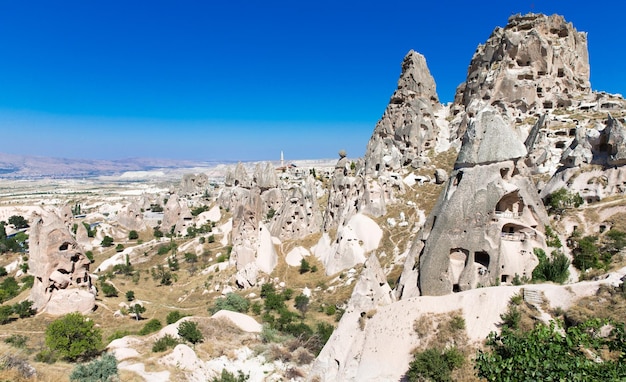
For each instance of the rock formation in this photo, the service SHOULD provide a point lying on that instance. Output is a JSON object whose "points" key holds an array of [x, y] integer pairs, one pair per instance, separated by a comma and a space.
{"points": [[534, 63], [194, 184], [176, 215], [486, 222], [407, 127], [131, 217], [62, 282], [344, 195], [299, 214]]}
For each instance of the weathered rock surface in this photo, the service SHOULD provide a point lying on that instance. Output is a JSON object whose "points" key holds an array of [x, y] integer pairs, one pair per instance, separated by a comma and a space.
{"points": [[194, 184], [536, 62], [176, 215], [299, 215], [408, 126], [62, 281], [486, 222], [131, 217]]}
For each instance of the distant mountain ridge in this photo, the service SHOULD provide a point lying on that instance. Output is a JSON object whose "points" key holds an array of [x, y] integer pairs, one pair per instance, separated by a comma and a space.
{"points": [[22, 166]]}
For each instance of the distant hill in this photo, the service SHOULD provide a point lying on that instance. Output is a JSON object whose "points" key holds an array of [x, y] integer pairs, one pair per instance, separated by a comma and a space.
{"points": [[21, 166]]}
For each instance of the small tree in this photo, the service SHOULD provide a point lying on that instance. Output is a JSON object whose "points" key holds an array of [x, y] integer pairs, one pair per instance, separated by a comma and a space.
{"points": [[107, 241], [302, 303], [304, 266], [130, 295], [108, 289], [133, 235], [137, 309], [74, 336], [188, 331], [18, 222], [173, 317], [24, 309], [119, 247]]}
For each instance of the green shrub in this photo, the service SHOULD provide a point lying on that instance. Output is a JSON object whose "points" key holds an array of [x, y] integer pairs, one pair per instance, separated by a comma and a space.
{"points": [[173, 317], [550, 353], [154, 325], [6, 313], [188, 331], [46, 356], [227, 376], [555, 269], [107, 241], [561, 199], [108, 289], [24, 309], [9, 288], [73, 336], [133, 235], [330, 310], [130, 295], [17, 340], [304, 266], [164, 343], [233, 302], [511, 319], [119, 248], [434, 365], [587, 253], [103, 369], [3, 271], [118, 334]]}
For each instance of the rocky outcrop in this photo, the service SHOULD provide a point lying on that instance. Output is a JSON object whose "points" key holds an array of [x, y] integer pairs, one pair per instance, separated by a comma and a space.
{"points": [[62, 282], [265, 177], [344, 195], [194, 184], [535, 63], [131, 217], [299, 215], [616, 142], [176, 215], [485, 224], [355, 241], [407, 127], [337, 361]]}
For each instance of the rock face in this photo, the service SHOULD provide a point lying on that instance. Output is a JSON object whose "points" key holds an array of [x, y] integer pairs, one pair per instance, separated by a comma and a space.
{"points": [[176, 215], [131, 217], [299, 214], [337, 361], [408, 126], [534, 63], [344, 196], [194, 183], [62, 281], [486, 222]]}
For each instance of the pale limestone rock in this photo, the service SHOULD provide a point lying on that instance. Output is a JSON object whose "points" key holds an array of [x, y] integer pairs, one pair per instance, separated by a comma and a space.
{"points": [[131, 217], [62, 281], [408, 126], [440, 176], [616, 142], [295, 256], [242, 321], [265, 177], [485, 224], [299, 215], [194, 184]]}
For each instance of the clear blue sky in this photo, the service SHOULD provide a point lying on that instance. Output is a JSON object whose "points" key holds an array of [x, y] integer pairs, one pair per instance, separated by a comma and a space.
{"points": [[242, 80]]}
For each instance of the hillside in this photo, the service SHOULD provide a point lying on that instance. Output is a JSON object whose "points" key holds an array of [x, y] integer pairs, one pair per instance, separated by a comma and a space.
{"points": [[501, 212]]}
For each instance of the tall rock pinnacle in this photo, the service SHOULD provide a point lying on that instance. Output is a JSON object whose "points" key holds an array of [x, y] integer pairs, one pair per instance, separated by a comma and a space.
{"points": [[407, 127]]}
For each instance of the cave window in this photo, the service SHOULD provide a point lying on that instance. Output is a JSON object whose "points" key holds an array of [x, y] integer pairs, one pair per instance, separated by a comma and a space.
{"points": [[64, 246], [547, 105], [560, 73], [456, 288], [458, 178], [560, 145], [504, 278], [482, 258], [572, 132]]}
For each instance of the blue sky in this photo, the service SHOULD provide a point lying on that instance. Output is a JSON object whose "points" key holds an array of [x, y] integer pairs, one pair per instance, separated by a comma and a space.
{"points": [[242, 80]]}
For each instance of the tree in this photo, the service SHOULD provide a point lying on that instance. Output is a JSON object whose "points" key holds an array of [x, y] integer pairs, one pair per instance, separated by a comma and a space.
{"points": [[157, 233], [233, 302], [103, 369], [302, 303], [24, 309], [108, 289], [550, 353], [74, 336], [137, 309], [119, 247], [107, 241], [173, 317], [304, 266], [188, 331], [6, 311], [133, 235], [18, 222], [130, 295], [434, 365]]}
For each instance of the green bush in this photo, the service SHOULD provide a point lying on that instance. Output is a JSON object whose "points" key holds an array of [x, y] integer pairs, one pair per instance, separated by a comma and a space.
{"points": [[550, 353], [434, 365], [73, 336], [227, 376], [103, 369], [164, 343], [304, 266], [587, 253], [188, 331], [154, 325], [133, 235], [3, 271], [555, 269], [108, 289], [24, 309], [107, 241], [17, 340], [233, 302], [130, 295], [118, 334], [173, 317], [9, 288], [561, 199]]}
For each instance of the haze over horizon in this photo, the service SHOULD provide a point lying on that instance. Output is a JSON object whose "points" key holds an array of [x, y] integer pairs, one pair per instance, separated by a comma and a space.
{"points": [[242, 80]]}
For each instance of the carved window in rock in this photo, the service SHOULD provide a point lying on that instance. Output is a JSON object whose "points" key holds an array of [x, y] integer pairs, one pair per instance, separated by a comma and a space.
{"points": [[65, 246], [457, 262], [481, 260], [510, 206], [515, 232]]}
